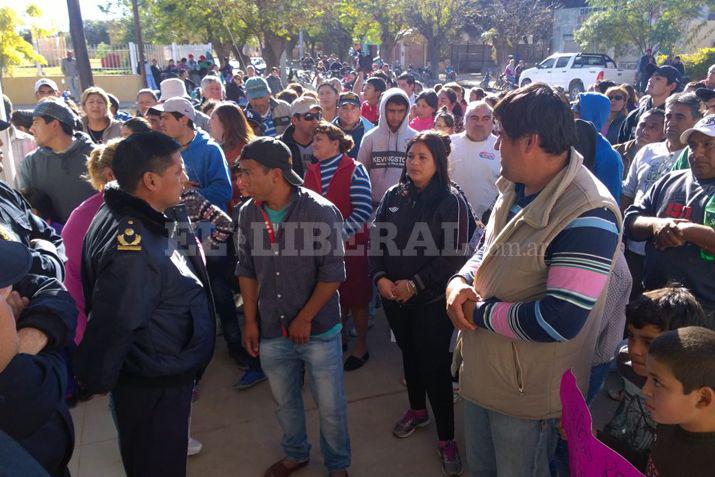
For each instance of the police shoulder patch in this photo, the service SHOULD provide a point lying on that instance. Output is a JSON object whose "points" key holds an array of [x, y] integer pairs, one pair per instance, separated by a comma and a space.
{"points": [[128, 239]]}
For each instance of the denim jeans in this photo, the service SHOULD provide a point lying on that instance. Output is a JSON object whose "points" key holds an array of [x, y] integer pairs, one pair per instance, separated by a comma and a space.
{"points": [[285, 364], [505, 446]]}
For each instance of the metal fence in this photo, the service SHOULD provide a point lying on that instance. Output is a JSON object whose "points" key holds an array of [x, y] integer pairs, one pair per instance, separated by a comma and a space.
{"points": [[115, 59]]}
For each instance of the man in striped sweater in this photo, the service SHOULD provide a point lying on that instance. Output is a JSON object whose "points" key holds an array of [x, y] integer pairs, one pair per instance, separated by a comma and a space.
{"points": [[529, 303]]}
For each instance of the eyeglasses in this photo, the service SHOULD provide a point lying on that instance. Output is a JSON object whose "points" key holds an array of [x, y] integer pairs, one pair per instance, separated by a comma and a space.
{"points": [[617, 97], [310, 116]]}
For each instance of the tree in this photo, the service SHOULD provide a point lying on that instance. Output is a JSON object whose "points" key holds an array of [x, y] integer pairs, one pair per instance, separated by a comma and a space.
{"points": [[96, 32], [506, 23], [375, 21], [14, 50], [437, 21], [623, 25]]}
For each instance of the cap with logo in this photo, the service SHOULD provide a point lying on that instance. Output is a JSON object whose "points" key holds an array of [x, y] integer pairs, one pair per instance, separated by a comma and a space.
{"points": [[705, 126], [45, 82], [349, 98], [256, 87], [274, 154], [55, 109], [176, 105], [303, 105]]}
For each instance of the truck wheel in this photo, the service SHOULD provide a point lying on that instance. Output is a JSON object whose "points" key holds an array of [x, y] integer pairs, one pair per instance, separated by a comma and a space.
{"points": [[525, 82], [575, 88]]}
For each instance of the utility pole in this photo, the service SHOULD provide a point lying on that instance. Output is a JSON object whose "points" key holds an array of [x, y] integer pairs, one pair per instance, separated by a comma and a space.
{"points": [[80, 44], [140, 42]]}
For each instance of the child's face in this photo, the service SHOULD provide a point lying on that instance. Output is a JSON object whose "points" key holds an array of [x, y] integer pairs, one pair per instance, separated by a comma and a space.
{"points": [[665, 399], [639, 340], [423, 110]]}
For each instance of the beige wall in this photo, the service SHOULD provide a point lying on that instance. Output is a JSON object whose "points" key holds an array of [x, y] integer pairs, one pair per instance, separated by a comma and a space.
{"points": [[21, 89]]}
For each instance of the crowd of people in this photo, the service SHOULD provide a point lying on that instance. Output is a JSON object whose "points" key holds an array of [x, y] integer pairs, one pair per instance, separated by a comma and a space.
{"points": [[507, 237]]}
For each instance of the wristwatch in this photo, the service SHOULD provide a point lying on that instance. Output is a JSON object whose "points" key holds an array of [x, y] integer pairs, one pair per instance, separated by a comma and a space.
{"points": [[413, 286]]}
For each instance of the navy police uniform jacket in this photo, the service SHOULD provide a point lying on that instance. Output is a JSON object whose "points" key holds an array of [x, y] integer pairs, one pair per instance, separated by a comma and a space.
{"points": [[148, 298]]}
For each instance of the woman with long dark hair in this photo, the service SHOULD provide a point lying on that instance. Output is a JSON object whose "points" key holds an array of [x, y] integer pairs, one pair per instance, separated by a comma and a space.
{"points": [[449, 98], [412, 283], [328, 96], [229, 127]]}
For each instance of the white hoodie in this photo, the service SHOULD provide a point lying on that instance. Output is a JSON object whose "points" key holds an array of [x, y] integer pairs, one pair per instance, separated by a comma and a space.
{"points": [[382, 152]]}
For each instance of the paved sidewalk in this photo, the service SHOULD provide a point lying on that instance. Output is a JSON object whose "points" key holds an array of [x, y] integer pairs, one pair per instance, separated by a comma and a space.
{"points": [[241, 436]]}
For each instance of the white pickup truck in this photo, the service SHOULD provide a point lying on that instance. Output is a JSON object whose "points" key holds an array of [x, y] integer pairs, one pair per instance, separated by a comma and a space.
{"points": [[576, 71]]}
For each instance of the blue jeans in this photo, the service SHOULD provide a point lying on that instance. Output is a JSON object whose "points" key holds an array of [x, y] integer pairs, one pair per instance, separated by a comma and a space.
{"points": [[505, 446], [284, 363]]}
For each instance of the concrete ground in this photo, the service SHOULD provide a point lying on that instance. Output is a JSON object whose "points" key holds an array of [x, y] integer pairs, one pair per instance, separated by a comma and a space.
{"points": [[241, 436]]}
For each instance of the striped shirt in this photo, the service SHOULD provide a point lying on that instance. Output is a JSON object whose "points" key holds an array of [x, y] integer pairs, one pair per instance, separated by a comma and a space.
{"points": [[360, 194], [579, 260]]}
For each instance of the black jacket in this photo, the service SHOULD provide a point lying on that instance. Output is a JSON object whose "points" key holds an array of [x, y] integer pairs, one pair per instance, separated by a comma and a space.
{"points": [[32, 388], [432, 228], [148, 300], [17, 222], [287, 139], [628, 127]]}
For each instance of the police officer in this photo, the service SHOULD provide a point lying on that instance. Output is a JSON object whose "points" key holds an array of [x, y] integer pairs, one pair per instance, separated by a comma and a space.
{"points": [[150, 330], [33, 379], [18, 223]]}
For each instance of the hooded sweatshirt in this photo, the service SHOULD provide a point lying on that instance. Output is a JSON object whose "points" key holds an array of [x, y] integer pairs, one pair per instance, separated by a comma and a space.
{"points": [[382, 152], [206, 164], [608, 165], [59, 175]]}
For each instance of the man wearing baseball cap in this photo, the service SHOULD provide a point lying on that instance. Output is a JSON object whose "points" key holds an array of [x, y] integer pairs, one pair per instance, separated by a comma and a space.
{"points": [[299, 309], [176, 88], [305, 115], [204, 159], [274, 114], [664, 81], [33, 375], [671, 217], [57, 167], [45, 87], [350, 121]]}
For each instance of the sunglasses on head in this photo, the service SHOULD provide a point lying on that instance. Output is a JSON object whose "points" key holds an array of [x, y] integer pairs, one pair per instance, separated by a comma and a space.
{"points": [[617, 97], [310, 116]]}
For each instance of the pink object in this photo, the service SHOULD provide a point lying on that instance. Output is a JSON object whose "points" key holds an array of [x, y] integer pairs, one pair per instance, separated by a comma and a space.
{"points": [[588, 457], [73, 236], [422, 124]]}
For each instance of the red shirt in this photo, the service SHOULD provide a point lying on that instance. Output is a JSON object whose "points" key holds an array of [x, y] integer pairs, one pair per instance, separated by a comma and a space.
{"points": [[371, 113]]}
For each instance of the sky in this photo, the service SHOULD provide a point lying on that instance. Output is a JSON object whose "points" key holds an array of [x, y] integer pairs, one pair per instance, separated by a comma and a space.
{"points": [[56, 16]]}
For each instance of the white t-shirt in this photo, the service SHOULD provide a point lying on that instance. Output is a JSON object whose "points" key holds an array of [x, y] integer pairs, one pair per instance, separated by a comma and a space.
{"points": [[475, 167], [650, 164]]}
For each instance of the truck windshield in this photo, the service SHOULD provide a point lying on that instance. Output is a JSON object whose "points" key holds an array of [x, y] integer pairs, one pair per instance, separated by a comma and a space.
{"points": [[547, 63]]}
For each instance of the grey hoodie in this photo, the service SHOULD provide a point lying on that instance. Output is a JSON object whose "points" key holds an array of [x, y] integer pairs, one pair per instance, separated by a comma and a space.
{"points": [[382, 152], [59, 175]]}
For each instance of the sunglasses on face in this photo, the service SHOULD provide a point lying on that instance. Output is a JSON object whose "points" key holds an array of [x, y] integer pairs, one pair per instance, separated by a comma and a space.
{"points": [[617, 97], [310, 116]]}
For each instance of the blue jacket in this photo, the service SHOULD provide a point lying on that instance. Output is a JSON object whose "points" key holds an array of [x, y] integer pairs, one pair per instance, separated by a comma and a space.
{"points": [[356, 134], [608, 166], [206, 164]]}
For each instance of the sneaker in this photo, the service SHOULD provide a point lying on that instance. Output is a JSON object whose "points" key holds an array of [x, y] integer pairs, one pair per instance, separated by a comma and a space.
{"points": [[250, 378], [451, 462], [194, 447], [409, 422]]}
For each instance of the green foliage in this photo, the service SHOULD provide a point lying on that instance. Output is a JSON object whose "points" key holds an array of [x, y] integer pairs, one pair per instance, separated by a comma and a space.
{"points": [[14, 50], [103, 50], [625, 25], [696, 64]]}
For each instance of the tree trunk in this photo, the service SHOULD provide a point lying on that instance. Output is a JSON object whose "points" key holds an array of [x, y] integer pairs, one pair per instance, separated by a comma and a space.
{"points": [[140, 42], [272, 49], [433, 54], [387, 46], [238, 53], [80, 44], [290, 47]]}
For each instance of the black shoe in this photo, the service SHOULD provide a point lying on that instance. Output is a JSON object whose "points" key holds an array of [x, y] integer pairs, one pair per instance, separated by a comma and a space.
{"points": [[353, 362]]}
